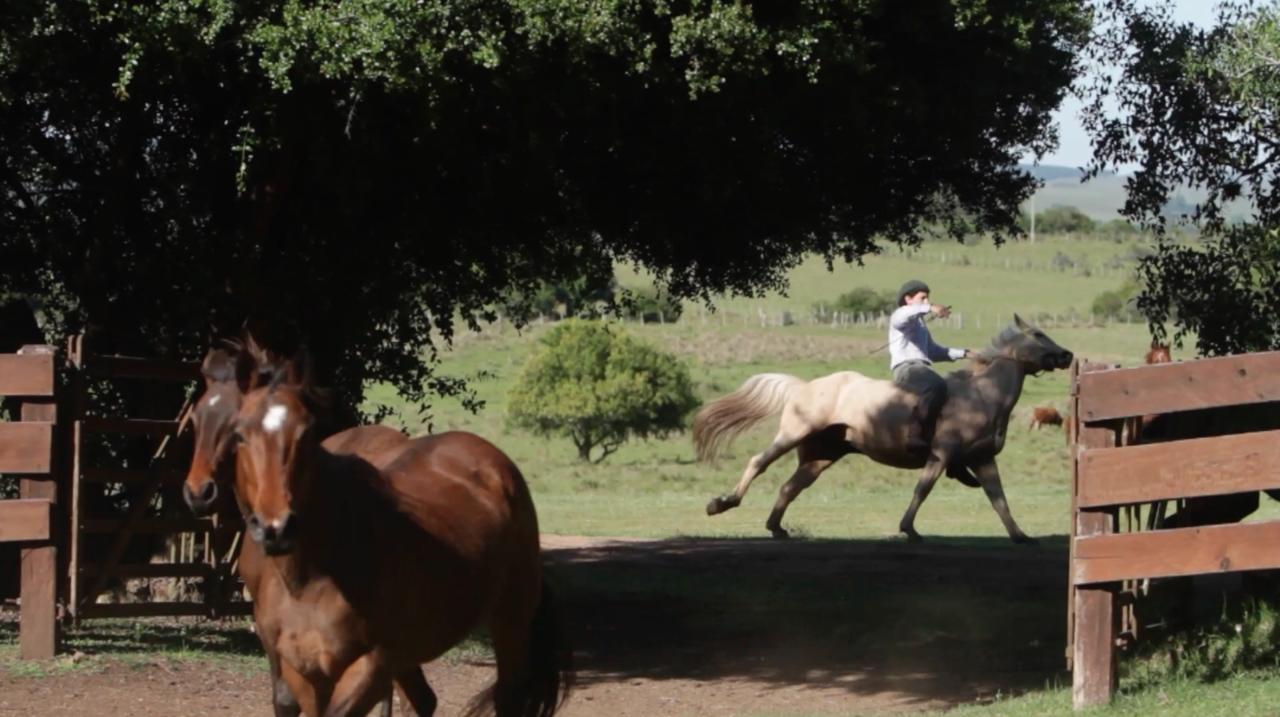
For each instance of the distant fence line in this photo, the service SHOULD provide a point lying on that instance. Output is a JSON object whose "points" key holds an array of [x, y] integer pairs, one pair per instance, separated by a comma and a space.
{"points": [[772, 317], [1115, 266]]}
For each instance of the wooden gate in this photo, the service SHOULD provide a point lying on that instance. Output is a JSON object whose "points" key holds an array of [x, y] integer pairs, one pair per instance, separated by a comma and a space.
{"points": [[202, 549], [1110, 476], [58, 527]]}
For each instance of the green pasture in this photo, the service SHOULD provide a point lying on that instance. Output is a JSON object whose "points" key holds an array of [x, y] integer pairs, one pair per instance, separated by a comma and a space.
{"points": [[656, 489]]}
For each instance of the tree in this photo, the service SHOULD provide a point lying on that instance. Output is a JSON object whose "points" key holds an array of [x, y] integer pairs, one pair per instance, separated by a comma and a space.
{"points": [[863, 300], [1064, 220], [598, 386], [1199, 108], [378, 172]]}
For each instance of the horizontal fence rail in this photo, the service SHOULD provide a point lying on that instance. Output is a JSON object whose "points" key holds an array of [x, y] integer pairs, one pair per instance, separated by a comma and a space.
{"points": [[1179, 469], [1112, 472], [1183, 386]]}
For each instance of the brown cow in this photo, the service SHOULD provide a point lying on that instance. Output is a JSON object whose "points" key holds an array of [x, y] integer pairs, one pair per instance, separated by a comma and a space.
{"points": [[1044, 416]]}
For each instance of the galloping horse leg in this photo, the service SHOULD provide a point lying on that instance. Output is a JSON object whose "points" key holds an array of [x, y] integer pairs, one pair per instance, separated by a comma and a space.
{"points": [[310, 699], [283, 703], [932, 470], [816, 453], [787, 438], [989, 476], [363, 684], [415, 690]]}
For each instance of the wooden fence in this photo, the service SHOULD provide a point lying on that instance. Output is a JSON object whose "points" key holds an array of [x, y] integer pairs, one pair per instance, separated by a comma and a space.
{"points": [[28, 450], [49, 450], [1111, 476]]}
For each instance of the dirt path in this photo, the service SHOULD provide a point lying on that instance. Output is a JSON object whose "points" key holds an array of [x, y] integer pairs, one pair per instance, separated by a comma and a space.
{"points": [[710, 627]]}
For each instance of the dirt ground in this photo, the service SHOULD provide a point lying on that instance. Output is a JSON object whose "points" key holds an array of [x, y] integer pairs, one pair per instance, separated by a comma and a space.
{"points": [[710, 627]]}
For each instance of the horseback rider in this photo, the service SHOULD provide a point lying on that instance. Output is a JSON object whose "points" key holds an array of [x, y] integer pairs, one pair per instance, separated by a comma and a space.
{"points": [[912, 352]]}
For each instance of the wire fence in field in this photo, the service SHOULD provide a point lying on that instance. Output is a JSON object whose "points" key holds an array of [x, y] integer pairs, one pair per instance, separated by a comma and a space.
{"points": [[774, 317], [1117, 266]]}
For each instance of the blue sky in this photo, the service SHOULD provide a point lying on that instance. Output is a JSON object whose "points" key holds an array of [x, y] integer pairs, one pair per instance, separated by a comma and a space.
{"points": [[1073, 144]]}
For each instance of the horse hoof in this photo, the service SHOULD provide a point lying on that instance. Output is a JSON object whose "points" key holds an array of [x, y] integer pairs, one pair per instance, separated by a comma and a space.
{"points": [[1023, 539], [719, 505], [780, 533], [911, 537]]}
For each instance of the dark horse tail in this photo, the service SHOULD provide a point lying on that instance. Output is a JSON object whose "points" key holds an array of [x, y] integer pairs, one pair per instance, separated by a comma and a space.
{"points": [[550, 668]]}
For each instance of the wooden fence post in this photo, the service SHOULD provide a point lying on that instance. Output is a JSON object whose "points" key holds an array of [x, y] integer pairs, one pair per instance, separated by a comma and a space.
{"points": [[38, 619], [1093, 613]]}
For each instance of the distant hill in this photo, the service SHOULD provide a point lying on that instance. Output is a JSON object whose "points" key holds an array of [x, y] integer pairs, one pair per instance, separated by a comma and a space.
{"points": [[1102, 197], [1050, 172]]}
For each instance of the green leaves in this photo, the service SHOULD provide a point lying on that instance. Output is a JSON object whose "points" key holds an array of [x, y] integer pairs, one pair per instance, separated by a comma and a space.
{"points": [[1199, 108], [599, 387], [373, 172]]}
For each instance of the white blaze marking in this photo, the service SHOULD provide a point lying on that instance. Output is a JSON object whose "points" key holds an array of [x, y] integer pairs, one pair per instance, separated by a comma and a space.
{"points": [[214, 401], [275, 418]]}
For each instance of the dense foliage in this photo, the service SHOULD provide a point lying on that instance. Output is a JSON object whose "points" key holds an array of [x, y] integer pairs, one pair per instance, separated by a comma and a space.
{"points": [[370, 173], [597, 386], [1198, 107]]}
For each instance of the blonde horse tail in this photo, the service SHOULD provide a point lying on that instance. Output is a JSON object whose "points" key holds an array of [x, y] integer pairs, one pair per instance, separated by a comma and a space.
{"points": [[720, 421]]}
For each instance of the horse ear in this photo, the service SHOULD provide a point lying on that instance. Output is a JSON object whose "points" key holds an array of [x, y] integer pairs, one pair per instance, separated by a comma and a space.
{"points": [[1017, 320], [300, 367], [246, 370], [218, 366]]}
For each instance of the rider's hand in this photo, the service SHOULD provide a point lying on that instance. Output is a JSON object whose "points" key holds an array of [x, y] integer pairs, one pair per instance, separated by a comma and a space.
{"points": [[942, 311]]}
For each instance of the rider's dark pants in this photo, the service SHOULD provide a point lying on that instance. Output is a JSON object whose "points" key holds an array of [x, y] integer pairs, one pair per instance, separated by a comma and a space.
{"points": [[919, 378]]}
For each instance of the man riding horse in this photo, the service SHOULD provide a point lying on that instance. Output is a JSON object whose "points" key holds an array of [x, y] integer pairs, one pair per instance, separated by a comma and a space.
{"points": [[912, 352]]}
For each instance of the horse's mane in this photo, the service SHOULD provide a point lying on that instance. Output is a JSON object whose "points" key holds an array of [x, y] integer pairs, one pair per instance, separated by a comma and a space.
{"points": [[993, 352]]}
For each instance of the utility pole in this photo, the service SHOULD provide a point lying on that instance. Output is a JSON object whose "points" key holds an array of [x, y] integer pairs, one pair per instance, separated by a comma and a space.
{"points": [[1033, 219]]}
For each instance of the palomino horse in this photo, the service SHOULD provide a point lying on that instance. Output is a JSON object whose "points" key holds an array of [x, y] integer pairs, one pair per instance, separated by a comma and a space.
{"points": [[381, 570], [847, 412], [213, 419]]}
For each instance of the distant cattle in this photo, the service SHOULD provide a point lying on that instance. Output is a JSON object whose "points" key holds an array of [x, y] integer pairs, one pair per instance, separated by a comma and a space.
{"points": [[1044, 415]]}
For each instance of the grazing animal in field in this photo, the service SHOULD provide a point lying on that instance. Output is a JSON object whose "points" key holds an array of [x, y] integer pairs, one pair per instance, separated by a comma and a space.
{"points": [[846, 412], [1044, 416], [213, 419], [382, 567], [1159, 353]]}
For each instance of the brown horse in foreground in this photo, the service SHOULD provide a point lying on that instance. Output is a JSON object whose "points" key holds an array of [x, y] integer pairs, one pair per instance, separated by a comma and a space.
{"points": [[846, 412], [213, 418], [383, 569]]}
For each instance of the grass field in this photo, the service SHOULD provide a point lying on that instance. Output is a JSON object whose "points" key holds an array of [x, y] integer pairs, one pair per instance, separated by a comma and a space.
{"points": [[656, 489]]}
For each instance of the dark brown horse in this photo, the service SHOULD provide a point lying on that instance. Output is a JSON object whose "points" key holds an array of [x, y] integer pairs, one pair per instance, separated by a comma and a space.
{"points": [[1204, 423], [213, 419], [383, 569]]}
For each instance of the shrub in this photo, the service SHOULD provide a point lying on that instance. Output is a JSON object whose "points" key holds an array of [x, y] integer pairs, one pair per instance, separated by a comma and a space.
{"points": [[599, 387], [861, 300], [650, 305], [1063, 220], [1118, 304]]}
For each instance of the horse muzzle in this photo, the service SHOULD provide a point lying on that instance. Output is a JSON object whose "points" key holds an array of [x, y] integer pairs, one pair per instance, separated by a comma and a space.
{"points": [[200, 501], [277, 537]]}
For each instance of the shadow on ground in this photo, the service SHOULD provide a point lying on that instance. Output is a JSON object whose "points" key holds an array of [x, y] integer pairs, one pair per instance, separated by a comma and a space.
{"points": [[951, 620], [946, 622]]}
